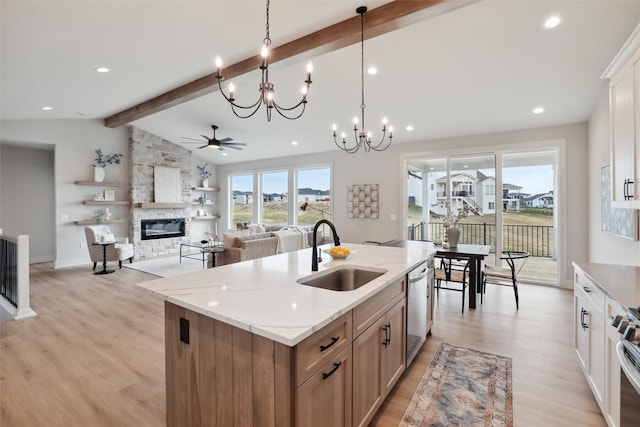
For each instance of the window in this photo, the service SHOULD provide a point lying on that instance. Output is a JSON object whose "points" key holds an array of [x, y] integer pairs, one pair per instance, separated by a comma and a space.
{"points": [[302, 202], [490, 190], [492, 206], [241, 202], [314, 195], [274, 204]]}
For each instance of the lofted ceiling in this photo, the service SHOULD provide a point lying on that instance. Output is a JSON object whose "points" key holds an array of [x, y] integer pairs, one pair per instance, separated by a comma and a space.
{"points": [[469, 67]]}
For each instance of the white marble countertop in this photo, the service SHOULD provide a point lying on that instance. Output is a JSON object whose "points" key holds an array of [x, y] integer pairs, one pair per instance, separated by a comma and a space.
{"points": [[263, 297], [620, 282]]}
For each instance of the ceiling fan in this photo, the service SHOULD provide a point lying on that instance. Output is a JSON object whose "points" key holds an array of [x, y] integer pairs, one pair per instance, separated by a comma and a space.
{"points": [[220, 143]]}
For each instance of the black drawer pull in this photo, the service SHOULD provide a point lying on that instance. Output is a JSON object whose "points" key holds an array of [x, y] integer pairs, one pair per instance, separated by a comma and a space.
{"points": [[333, 341], [587, 289], [335, 368]]}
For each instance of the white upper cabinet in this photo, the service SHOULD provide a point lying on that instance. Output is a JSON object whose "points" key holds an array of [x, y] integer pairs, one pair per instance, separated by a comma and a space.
{"points": [[624, 112]]}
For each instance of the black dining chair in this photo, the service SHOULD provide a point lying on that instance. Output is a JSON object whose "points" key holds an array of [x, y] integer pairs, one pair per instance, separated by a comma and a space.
{"points": [[455, 274], [505, 276]]}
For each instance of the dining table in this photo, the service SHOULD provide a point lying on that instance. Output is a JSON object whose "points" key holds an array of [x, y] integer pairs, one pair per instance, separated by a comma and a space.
{"points": [[474, 253]]}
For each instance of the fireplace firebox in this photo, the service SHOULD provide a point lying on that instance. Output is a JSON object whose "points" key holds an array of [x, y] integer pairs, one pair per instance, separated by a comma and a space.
{"points": [[162, 228]]}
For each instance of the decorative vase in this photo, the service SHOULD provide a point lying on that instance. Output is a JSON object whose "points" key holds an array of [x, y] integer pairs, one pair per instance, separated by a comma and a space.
{"points": [[205, 183], [98, 174], [453, 236]]}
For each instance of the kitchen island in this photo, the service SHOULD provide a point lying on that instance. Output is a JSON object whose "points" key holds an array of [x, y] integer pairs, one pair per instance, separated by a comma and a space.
{"points": [[248, 345]]}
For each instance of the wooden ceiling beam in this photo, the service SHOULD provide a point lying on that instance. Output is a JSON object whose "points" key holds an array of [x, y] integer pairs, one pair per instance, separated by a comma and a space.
{"points": [[381, 20]]}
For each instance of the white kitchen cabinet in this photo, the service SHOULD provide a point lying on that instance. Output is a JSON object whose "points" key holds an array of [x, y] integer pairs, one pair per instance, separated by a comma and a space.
{"points": [[624, 112], [589, 333], [612, 373]]}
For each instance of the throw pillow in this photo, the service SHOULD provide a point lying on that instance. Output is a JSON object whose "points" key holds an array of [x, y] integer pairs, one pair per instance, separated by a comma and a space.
{"points": [[229, 237], [256, 229], [107, 237]]}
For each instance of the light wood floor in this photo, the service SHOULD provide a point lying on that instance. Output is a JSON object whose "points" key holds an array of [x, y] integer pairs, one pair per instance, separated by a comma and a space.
{"points": [[94, 356]]}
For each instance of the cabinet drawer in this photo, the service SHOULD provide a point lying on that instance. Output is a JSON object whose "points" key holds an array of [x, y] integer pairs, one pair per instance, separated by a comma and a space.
{"points": [[315, 351], [592, 292], [325, 399], [372, 309]]}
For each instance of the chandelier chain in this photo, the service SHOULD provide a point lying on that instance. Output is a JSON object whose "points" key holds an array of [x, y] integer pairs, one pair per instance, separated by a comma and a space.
{"points": [[362, 105], [267, 39]]}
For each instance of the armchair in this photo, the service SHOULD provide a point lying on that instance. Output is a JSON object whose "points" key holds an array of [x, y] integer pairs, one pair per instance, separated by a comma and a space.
{"points": [[118, 252]]}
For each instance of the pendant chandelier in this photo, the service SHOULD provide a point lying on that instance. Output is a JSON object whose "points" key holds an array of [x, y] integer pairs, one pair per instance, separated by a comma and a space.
{"points": [[266, 88], [363, 137]]}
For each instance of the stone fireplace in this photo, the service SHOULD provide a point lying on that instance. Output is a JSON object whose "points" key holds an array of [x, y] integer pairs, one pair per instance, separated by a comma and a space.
{"points": [[147, 151]]}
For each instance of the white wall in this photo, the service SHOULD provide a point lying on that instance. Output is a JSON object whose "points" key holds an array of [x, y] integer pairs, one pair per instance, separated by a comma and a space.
{"points": [[74, 142], [26, 185], [386, 169], [604, 247]]}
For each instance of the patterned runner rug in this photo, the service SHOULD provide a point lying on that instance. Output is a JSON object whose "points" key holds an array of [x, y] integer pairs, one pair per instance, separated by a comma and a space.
{"points": [[463, 387]]}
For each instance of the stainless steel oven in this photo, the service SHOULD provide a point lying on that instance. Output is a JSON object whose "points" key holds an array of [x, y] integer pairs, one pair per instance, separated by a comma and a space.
{"points": [[628, 353], [418, 308]]}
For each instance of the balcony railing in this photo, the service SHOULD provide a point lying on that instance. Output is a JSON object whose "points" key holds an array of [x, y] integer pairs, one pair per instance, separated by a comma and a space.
{"points": [[535, 239]]}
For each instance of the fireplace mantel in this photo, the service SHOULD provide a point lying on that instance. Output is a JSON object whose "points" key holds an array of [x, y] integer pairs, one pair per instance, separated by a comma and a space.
{"points": [[153, 205]]}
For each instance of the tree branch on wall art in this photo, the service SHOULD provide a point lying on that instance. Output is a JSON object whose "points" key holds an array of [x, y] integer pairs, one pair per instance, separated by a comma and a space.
{"points": [[363, 201]]}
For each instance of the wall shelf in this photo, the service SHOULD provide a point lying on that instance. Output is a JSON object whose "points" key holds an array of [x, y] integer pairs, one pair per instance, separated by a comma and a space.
{"points": [[93, 221], [153, 205], [203, 217], [209, 189], [105, 202], [99, 184]]}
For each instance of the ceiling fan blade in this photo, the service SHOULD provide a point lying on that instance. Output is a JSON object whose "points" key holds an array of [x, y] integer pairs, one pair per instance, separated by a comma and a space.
{"points": [[204, 146], [232, 146], [191, 139], [234, 143], [226, 139]]}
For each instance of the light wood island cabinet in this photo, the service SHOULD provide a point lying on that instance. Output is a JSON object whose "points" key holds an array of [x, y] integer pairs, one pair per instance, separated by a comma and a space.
{"points": [[221, 375]]}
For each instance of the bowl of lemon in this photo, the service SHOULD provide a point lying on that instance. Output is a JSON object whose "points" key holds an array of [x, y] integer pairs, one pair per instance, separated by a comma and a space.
{"points": [[338, 252]]}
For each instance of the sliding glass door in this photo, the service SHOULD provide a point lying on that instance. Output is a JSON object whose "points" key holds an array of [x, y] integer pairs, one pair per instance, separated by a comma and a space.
{"points": [[506, 200]]}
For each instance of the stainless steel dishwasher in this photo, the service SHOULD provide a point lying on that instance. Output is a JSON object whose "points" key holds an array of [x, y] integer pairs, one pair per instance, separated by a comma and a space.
{"points": [[418, 308]]}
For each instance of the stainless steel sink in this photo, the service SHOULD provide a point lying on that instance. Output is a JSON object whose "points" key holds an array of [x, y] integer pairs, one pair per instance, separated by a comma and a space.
{"points": [[343, 278]]}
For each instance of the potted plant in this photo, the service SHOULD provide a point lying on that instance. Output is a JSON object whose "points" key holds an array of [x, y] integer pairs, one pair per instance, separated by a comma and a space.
{"points": [[204, 174], [452, 232], [202, 201], [101, 161]]}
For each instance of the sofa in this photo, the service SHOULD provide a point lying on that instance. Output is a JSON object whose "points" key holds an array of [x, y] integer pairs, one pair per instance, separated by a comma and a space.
{"points": [[258, 241]]}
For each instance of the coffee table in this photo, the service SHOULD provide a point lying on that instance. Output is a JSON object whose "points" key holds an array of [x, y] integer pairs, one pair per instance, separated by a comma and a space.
{"points": [[203, 249]]}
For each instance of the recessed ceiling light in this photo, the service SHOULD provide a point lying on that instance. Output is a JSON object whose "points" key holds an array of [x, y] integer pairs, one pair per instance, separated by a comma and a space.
{"points": [[80, 113], [294, 143], [409, 128], [372, 70], [538, 110], [224, 154], [47, 108], [551, 22], [102, 69]]}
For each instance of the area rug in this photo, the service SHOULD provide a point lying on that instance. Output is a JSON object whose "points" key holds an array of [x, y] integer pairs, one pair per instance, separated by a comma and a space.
{"points": [[166, 267], [463, 387]]}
